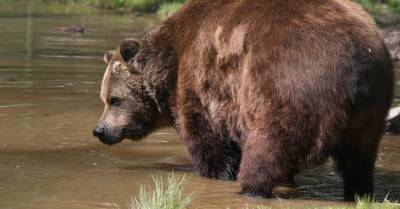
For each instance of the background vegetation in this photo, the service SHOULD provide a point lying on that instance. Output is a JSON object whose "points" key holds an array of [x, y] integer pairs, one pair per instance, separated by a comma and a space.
{"points": [[139, 5], [168, 7], [173, 5], [164, 7], [381, 5]]}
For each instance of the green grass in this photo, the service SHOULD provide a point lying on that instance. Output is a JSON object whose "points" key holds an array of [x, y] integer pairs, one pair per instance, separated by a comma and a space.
{"points": [[361, 203], [373, 6], [369, 203], [164, 195], [129, 5], [165, 6], [168, 8], [395, 5]]}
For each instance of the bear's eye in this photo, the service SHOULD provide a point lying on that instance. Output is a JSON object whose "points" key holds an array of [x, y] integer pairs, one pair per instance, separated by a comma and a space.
{"points": [[115, 101]]}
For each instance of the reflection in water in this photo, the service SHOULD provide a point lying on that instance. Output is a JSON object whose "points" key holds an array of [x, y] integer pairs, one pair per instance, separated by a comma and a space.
{"points": [[29, 30], [49, 86]]}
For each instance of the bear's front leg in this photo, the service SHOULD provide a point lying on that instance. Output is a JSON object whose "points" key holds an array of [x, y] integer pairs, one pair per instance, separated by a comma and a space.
{"points": [[213, 153], [214, 158], [265, 164]]}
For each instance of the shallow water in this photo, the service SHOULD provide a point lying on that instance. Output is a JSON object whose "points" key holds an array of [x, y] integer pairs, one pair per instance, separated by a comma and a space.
{"points": [[49, 103]]}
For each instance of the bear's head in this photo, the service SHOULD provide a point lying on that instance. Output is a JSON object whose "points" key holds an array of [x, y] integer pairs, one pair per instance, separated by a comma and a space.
{"points": [[129, 111]]}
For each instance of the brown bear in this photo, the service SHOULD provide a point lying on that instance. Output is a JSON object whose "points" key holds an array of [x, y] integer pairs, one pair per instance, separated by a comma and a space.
{"points": [[257, 89]]}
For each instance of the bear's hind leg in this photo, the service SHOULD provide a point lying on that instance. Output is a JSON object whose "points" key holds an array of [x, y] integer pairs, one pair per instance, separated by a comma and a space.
{"points": [[356, 154], [357, 168]]}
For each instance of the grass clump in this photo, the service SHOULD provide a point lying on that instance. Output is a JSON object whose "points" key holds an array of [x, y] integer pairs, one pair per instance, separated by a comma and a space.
{"points": [[164, 195], [369, 203], [361, 203]]}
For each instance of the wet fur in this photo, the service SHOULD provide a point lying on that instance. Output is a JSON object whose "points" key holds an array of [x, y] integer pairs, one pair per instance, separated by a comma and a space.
{"points": [[260, 89]]}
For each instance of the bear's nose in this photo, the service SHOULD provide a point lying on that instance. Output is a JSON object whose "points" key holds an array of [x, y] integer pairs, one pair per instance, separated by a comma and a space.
{"points": [[98, 132]]}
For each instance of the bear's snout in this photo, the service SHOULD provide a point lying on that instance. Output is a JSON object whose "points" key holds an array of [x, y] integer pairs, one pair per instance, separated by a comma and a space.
{"points": [[99, 132], [105, 136]]}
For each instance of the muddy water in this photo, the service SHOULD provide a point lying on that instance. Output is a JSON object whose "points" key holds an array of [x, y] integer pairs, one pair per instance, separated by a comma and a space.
{"points": [[49, 87]]}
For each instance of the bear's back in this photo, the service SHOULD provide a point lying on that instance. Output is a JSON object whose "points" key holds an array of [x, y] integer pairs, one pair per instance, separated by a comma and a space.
{"points": [[308, 55], [294, 45]]}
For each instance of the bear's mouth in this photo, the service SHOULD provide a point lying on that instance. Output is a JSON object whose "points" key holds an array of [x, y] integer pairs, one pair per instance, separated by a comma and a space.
{"points": [[136, 131], [110, 140], [134, 135]]}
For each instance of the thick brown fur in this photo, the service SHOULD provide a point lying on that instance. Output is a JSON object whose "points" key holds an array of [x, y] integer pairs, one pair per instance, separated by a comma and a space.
{"points": [[260, 89]]}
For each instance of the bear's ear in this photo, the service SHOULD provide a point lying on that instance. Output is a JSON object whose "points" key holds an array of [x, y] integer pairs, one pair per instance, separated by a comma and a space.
{"points": [[108, 55], [129, 48]]}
